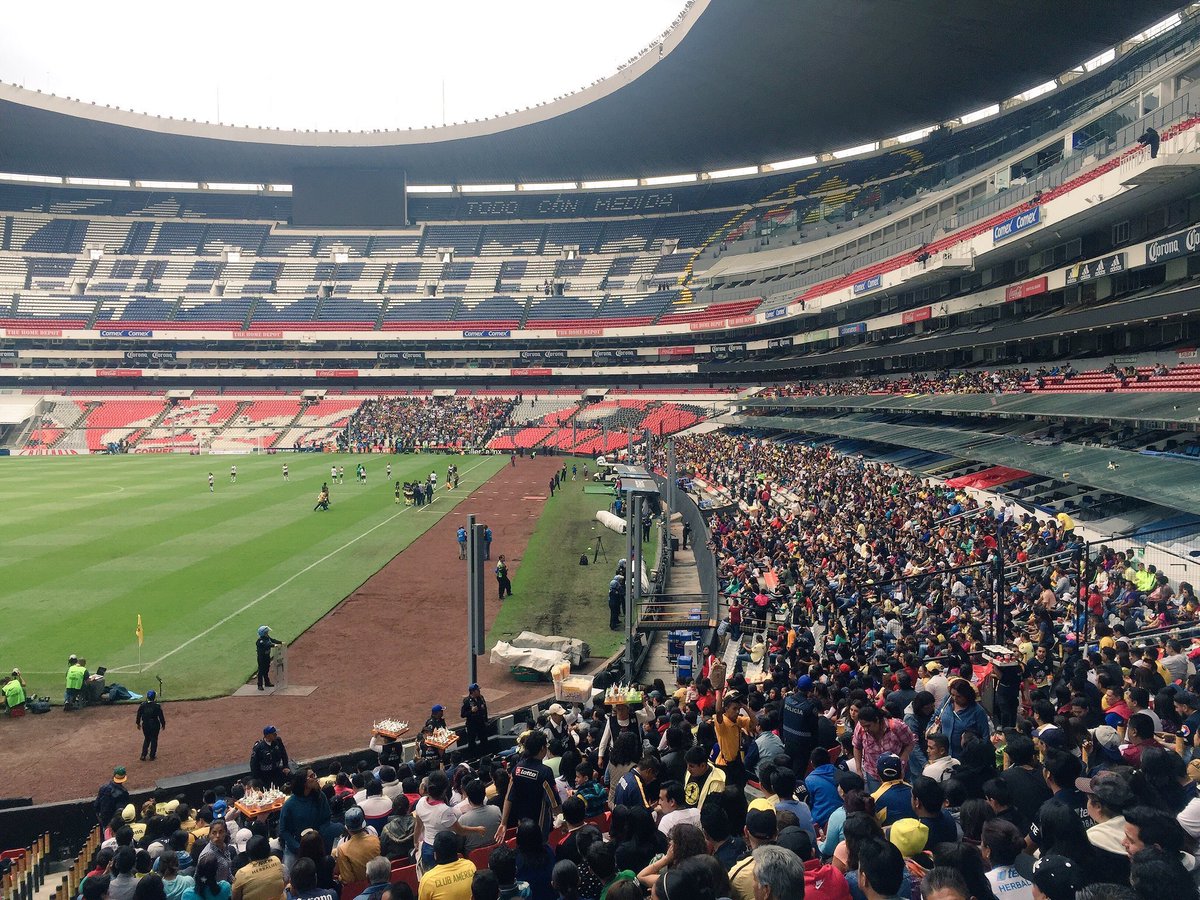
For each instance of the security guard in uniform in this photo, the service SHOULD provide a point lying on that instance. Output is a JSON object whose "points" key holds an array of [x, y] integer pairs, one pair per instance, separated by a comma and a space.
{"points": [[151, 720], [262, 648], [475, 714]]}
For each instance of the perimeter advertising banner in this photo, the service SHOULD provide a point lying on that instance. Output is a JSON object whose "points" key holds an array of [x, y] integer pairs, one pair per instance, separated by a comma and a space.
{"points": [[1026, 289], [1173, 246], [1031, 218], [916, 315], [1113, 264]]}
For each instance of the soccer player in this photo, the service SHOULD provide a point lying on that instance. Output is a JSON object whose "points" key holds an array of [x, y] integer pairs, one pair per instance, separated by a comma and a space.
{"points": [[397, 489], [285, 473], [333, 474], [341, 478], [212, 483], [233, 474], [389, 471]]}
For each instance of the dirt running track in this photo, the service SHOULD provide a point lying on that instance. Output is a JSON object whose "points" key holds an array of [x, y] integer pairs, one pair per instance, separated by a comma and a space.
{"points": [[392, 648]]}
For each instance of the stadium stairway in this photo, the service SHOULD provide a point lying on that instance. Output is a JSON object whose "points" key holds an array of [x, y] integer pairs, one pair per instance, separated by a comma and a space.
{"points": [[294, 423], [237, 414], [78, 423], [137, 436]]}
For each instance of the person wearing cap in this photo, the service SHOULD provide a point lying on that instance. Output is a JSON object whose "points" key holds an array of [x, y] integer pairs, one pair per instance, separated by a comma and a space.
{"points": [[557, 725], [935, 682], [437, 718], [111, 797], [1056, 878], [893, 797], [1187, 706], [14, 690], [150, 720], [911, 837], [474, 713], [269, 759], [798, 726], [77, 675], [355, 848], [760, 831], [1108, 797], [262, 652]]}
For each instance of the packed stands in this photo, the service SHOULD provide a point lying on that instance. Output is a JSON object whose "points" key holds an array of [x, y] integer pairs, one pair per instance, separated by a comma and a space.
{"points": [[425, 422]]}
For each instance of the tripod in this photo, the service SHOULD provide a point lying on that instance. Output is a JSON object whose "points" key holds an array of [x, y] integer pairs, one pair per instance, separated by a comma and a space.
{"points": [[599, 550]]}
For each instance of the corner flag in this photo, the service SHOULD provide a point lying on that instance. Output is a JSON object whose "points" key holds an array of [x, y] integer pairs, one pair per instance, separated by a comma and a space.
{"points": [[139, 632]]}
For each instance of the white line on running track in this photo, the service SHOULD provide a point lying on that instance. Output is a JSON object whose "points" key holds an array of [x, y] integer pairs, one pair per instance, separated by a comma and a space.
{"points": [[278, 587]]}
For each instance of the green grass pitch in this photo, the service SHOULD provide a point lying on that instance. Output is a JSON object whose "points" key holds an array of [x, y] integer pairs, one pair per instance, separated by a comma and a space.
{"points": [[88, 543]]}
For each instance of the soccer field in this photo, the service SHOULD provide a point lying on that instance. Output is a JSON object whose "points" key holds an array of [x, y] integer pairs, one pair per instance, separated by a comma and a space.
{"points": [[89, 543]]}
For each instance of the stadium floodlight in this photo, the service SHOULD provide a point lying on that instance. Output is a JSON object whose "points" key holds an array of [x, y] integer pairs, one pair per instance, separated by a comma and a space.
{"points": [[732, 173], [671, 179], [486, 188], [232, 186], [548, 186], [1035, 92], [856, 151], [610, 183], [98, 182], [1158, 28], [430, 189], [279, 188], [169, 185], [36, 179], [910, 136], [980, 114], [1102, 60], [789, 163]]}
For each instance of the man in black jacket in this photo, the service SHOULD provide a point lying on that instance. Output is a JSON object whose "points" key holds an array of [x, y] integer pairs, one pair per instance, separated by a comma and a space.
{"points": [[269, 759], [111, 797], [150, 720], [475, 714]]}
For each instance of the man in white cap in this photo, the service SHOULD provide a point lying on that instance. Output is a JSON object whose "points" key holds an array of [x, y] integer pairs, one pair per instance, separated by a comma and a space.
{"points": [[558, 725], [262, 648]]}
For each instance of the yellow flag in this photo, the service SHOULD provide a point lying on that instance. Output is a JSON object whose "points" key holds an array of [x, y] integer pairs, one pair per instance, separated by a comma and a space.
{"points": [[139, 632]]}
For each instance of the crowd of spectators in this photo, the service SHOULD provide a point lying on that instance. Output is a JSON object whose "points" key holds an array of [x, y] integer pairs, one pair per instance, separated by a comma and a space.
{"points": [[845, 735], [983, 381], [410, 423]]}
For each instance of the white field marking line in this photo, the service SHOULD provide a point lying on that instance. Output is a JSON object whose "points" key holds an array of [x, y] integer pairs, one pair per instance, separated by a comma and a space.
{"points": [[278, 587]]}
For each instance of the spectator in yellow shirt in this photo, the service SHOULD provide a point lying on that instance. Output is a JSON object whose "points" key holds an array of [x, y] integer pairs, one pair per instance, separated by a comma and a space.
{"points": [[451, 877], [731, 723]]}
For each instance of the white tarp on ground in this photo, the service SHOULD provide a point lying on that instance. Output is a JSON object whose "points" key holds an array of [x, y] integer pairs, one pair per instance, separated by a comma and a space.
{"points": [[576, 650], [608, 520], [505, 654]]}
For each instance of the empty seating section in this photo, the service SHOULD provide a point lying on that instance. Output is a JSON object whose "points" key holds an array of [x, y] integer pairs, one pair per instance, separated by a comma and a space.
{"points": [[160, 260], [111, 421]]}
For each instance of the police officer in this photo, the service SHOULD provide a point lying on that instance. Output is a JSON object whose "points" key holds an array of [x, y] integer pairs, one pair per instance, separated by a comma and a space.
{"points": [[475, 714], [263, 649], [150, 720], [799, 724], [76, 676], [269, 759], [616, 601]]}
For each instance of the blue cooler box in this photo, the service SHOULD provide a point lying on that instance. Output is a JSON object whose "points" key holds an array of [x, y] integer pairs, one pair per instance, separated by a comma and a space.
{"points": [[683, 667]]}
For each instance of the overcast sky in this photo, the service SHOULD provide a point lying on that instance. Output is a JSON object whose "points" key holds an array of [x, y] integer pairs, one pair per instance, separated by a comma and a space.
{"points": [[341, 65]]}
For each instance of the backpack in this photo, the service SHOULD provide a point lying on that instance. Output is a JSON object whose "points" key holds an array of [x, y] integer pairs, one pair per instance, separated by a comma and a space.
{"points": [[583, 560]]}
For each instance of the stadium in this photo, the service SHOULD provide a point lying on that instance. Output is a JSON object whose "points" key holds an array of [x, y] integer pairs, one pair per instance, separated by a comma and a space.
{"points": [[793, 433]]}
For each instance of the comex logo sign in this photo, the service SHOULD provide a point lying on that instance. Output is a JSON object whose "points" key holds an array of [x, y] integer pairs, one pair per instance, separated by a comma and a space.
{"points": [[1173, 245], [1017, 223]]}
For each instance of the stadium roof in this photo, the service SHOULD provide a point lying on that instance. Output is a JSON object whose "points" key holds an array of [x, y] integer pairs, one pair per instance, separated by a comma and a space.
{"points": [[737, 83]]}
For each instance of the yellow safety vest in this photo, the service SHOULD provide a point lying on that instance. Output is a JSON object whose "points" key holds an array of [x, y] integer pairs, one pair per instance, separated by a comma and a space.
{"points": [[75, 677], [14, 694]]}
